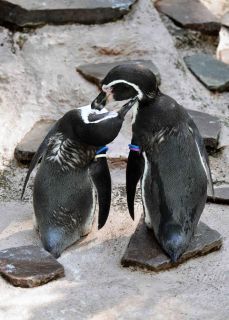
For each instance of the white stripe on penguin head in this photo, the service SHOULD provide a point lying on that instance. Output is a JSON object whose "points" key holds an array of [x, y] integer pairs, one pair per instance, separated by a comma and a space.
{"points": [[105, 87], [86, 111]]}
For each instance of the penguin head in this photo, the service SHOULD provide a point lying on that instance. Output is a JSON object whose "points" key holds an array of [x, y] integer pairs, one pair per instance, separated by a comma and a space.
{"points": [[124, 82]]}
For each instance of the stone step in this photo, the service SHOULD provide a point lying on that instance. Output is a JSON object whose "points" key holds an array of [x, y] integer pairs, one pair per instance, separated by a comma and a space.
{"points": [[221, 195], [28, 146], [143, 250], [96, 72], [27, 13], [214, 74], [208, 125], [190, 14], [29, 266]]}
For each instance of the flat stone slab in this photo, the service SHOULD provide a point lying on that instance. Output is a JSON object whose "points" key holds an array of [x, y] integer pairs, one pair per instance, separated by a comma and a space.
{"points": [[209, 127], [143, 250], [221, 195], [95, 73], [33, 12], [214, 74], [191, 14], [29, 266], [26, 149]]}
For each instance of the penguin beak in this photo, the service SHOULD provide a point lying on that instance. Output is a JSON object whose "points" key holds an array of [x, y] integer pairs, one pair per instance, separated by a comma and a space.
{"points": [[99, 102], [123, 111]]}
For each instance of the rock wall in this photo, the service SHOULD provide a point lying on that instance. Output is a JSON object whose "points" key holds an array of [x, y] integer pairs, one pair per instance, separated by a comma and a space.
{"points": [[38, 77]]}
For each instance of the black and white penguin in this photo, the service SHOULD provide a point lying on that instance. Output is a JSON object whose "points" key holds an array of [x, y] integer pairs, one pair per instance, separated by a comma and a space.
{"points": [[72, 169], [167, 153]]}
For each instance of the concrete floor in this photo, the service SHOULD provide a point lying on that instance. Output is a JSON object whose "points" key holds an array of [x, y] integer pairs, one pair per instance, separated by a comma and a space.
{"points": [[39, 81]]}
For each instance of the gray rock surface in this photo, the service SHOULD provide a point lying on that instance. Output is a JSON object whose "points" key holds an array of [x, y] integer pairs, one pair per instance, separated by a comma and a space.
{"points": [[29, 266], [26, 149], [221, 195], [32, 13], [209, 127], [38, 78], [225, 19], [212, 73], [190, 14], [222, 51], [96, 72], [144, 251]]}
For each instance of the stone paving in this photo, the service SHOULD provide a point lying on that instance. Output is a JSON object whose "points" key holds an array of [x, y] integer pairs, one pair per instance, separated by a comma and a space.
{"points": [[97, 72], [38, 81], [27, 13], [29, 266], [212, 73], [190, 14], [144, 252]]}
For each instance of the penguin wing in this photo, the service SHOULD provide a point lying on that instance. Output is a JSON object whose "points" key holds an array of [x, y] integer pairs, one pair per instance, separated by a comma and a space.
{"points": [[38, 155], [203, 153], [134, 172], [101, 178]]}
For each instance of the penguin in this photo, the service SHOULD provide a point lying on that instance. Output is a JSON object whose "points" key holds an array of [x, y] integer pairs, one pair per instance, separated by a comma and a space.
{"points": [[72, 171], [167, 154]]}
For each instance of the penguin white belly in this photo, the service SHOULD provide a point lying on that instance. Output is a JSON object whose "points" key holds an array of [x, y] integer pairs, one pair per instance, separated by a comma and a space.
{"points": [[143, 185], [90, 219], [35, 224]]}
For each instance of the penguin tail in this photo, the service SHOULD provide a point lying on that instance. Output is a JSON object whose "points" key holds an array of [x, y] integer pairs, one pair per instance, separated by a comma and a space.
{"points": [[52, 241], [174, 242], [175, 247]]}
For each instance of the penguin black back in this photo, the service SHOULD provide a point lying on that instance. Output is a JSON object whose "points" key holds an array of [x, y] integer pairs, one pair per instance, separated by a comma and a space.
{"points": [[170, 158], [72, 171]]}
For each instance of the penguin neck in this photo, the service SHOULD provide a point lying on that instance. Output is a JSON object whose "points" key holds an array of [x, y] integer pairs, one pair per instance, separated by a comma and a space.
{"points": [[135, 111], [141, 104]]}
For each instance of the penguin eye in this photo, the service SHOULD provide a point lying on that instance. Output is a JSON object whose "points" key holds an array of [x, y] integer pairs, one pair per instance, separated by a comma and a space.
{"points": [[123, 91]]}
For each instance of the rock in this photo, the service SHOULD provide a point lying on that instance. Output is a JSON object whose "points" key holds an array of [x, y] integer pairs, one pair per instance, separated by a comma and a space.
{"points": [[29, 266], [32, 13], [221, 195], [143, 250], [222, 51], [225, 19], [26, 149], [190, 14], [96, 72], [212, 73], [209, 127]]}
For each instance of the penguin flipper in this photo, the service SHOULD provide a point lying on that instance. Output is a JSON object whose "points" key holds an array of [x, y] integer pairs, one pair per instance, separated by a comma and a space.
{"points": [[38, 155], [134, 172], [102, 180]]}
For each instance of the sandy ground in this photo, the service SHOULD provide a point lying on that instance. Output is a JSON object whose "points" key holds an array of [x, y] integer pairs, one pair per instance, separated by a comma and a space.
{"points": [[38, 80], [97, 287]]}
